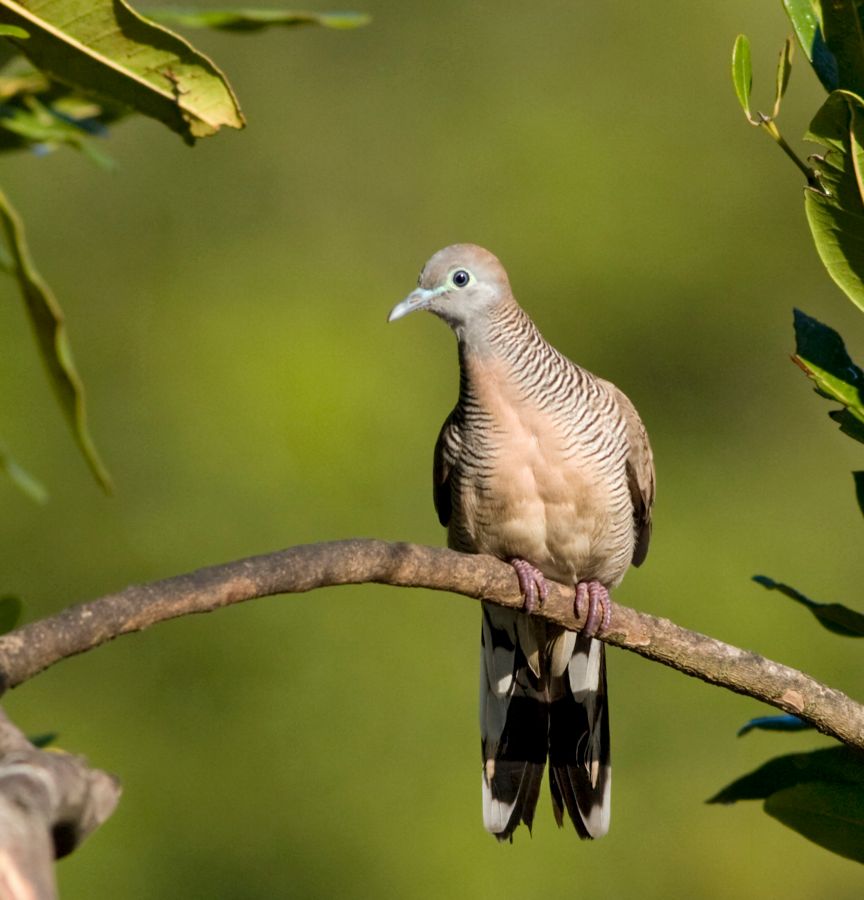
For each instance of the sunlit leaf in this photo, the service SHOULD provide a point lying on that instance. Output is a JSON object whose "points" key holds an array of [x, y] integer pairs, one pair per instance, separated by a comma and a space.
{"points": [[774, 723], [255, 19], [835, 617], [13, 31], [836, 217], [784, 70], [805, 24], [10, 612], [830, 815], [106, 48], [821, 354], [742, 72], [49, 327], [21, 478]]}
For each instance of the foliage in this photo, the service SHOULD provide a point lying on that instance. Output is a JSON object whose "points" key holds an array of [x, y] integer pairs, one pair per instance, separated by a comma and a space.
{"points": [[821, 794], [818, 794], [64, 78]]}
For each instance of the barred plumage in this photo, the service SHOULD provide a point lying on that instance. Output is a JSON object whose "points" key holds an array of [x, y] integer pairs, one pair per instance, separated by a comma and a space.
{"points": [[546, 465]]}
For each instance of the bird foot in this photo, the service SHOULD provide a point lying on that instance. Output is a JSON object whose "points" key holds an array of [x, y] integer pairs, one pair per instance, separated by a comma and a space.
{"points": [[599, 612], [532, 583]]}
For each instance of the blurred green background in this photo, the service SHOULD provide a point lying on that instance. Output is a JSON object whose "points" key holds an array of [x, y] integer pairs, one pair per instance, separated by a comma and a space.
{"points": [[227, 308]]}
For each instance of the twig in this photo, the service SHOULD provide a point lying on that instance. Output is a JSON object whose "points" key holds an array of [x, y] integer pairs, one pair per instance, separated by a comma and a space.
{"points": [[28, 650]]}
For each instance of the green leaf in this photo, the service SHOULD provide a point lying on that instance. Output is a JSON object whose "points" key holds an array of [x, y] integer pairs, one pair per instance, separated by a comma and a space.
{"points": [[836, 216], [821, 354], [784, 70], [859, 489], [248, 20], [40, 114], [742, 73], [833, 765], [805, 24], [14, 32], [841, 28], [49, 325], [105, 47], [830, 815], [10, 612], [36, 124], [22, 479], [835, 617]]}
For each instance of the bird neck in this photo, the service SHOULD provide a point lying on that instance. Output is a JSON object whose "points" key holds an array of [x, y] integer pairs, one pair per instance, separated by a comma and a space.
{"points": [[502, 349], [501, 332]]}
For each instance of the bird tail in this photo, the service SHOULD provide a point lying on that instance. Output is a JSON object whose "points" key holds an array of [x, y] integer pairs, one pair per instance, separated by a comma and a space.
{"points": [[542, 694]]}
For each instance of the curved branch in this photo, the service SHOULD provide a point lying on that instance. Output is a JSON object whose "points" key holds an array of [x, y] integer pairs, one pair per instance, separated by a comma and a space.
{"points": [[28, 650]]}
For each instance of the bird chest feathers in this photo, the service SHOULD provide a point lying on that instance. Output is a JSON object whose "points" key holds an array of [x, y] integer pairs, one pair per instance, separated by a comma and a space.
{"points": [[529, 484]]}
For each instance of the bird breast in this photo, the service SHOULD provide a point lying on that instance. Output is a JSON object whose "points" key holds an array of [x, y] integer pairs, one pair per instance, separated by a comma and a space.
{"points": [[537, 482]]}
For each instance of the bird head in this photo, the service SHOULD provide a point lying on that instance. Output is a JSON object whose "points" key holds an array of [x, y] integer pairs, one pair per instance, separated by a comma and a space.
{"points": [[459, 284]]}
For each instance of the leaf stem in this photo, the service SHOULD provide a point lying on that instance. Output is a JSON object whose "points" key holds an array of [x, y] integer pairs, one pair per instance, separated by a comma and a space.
{"points": [[814, 179]]}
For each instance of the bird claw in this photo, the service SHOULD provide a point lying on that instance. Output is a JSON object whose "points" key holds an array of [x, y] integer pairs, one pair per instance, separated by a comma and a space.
{"points": [[532, 584], [598, 615]]}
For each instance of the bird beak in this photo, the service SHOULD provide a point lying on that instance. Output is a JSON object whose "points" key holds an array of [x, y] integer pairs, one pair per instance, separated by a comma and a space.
{"points": [[418, 299]]}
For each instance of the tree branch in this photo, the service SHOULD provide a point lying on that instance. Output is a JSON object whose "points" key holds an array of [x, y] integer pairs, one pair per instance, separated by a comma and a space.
{"points": [[49, 802], [28, 650]]}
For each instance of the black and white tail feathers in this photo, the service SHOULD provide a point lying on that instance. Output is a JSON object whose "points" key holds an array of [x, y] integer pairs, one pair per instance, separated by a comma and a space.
{"points": [[542, 695]]}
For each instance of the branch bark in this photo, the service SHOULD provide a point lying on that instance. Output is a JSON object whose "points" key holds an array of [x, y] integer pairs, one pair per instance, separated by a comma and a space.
{"points": [[49, 802], [28, 650]]}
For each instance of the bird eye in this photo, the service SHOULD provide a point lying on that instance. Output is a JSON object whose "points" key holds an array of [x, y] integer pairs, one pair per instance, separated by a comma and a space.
{"points": [[460, 278]]}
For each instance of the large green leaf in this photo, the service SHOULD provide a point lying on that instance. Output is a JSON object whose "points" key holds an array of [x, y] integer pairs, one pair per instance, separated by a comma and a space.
{"points": [[834, 765], [255, 19], [830, 815], [835, 617], [831, 36], [836, 216], [841, 28], [806, 26], [819, 794], [821, 354], [49, 327], [104, 47]]}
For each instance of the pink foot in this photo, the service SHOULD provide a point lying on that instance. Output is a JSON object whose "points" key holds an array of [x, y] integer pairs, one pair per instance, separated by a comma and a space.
{"points": [[599, 612], [532, 584]]}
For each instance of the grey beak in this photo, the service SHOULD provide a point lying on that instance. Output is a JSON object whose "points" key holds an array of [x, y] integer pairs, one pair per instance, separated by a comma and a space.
{"points": [[419, 299]]}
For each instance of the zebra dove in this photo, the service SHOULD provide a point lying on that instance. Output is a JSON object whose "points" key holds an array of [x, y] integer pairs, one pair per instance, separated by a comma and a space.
{"points": [[549, 467]]}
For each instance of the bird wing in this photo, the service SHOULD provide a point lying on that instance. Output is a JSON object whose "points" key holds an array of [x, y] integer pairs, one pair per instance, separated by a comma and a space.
{"points": [[640, 474], [447, 450]]}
